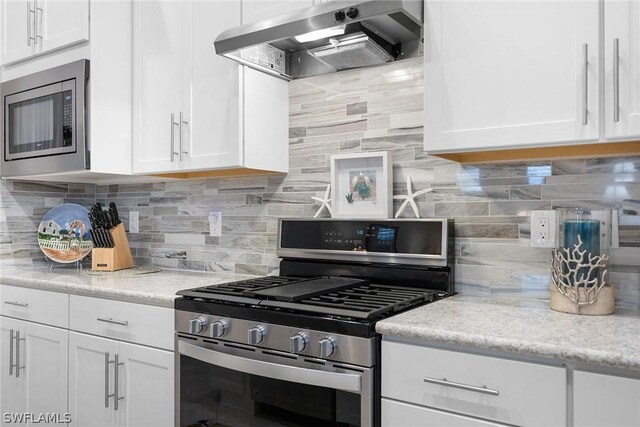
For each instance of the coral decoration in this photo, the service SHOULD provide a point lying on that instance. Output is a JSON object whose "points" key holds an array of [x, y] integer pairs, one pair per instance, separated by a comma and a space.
{"points": [[576, 274]]}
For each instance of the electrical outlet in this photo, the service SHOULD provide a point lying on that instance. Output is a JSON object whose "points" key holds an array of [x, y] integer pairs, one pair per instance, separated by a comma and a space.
{"points": [[544, 229], [215, 223], [134, 222]]}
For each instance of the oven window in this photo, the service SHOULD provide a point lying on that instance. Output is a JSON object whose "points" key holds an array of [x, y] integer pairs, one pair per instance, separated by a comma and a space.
{"points": [[40, 124], [214, 396]]}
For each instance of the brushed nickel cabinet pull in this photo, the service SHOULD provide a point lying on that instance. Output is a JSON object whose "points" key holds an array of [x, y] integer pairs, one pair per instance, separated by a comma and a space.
{"points": [[115, 322], [182, 150], [616, 80], [585, 84], [35, 21], [16, 303], [18, 367], [173, 137], [107, 362], [461, 386], [117, 398], [11, 352]]}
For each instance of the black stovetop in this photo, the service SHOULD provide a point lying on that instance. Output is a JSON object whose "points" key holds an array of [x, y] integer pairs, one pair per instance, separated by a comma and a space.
{"points": [[339, 304]]}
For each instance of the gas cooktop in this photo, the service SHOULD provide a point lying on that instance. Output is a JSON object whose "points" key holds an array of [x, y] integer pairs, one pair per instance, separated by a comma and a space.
{"points": [[328, 295]]}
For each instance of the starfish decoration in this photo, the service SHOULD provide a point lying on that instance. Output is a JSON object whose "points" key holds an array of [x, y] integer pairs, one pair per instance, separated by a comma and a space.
{"points": [[325, 202], [409, 198]]}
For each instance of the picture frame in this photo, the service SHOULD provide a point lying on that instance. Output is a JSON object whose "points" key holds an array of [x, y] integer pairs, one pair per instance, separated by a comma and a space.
{"points": [[362, 185]]}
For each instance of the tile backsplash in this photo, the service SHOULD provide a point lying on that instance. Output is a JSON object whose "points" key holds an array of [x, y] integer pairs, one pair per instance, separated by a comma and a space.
{"points": [[354, 111]]}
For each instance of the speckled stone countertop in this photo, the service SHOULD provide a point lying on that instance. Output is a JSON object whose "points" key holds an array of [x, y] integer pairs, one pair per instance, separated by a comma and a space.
{"points": [[524, 327], [153, 289]]}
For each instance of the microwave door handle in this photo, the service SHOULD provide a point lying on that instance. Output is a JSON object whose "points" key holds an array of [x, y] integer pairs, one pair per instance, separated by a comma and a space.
{"points": [[334, 380]]}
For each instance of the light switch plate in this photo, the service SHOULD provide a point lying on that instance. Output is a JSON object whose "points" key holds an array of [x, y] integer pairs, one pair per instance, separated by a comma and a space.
{"points": [[134, 222], [215, 223], [544, 229]]}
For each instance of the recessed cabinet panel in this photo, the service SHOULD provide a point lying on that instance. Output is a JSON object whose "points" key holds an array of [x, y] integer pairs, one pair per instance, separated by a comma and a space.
{"points": [[45, 361], [91, 380], [17, 30], [13, 396], [505, 74], [622, 68], [605, 400], [61, 23], [212, 90], [158, 85]]}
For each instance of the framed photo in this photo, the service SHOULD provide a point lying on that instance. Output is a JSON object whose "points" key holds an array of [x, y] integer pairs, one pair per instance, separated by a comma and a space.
{"points": [[362, 185]]}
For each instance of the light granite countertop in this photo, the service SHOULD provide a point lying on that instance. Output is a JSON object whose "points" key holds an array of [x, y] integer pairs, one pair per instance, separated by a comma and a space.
{"points": [[153, 288], [527, 328]]}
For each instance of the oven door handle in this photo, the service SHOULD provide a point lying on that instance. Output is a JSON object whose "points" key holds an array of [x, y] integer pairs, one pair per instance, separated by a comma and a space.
{"points": [[338, 381]]}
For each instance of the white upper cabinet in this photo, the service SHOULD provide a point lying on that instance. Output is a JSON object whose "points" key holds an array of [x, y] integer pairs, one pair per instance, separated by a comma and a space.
{"points": [[157, 93], [33, 27], [257, 10], [203, 112], [501, 75], [622, 68]]}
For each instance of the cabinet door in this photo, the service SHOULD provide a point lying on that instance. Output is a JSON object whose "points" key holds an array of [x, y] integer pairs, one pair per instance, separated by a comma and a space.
{"points": [[147, 385], [256, 10], [605, 400], [91, 380], [510, 74], [61, 23], [396, 413], [17, 27], [212, 90], [622, 74], [12, 386], [45, 362], [157, 80]]}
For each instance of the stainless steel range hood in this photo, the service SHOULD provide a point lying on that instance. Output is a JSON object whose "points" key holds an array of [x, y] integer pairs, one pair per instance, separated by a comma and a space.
{"points": [[328, 37]]}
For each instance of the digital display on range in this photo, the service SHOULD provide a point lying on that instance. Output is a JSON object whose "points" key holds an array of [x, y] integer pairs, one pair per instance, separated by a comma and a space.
{"points": [[417, 237]]}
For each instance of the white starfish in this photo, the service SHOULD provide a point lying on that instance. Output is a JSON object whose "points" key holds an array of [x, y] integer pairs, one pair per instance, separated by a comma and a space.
{"points": [[409, 198], [325, 202]]}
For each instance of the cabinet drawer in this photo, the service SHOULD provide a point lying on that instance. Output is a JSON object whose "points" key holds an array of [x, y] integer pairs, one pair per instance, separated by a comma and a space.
{"points": [[491, 388], [123, 321], [403, 414], [35, 305]]}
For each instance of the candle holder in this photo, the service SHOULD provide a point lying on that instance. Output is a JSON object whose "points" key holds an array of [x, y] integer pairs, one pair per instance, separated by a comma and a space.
{"points": [[579, 264]]}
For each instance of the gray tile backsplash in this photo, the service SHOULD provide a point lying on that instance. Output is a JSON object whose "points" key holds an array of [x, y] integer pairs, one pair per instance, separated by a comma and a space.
{"points": [[354, 111]]}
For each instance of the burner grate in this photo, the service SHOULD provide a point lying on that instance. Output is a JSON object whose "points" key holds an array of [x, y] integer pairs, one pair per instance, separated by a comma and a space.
{"points": [[246, 286]]}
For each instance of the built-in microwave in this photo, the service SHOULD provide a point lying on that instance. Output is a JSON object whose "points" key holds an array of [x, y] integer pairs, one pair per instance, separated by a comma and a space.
{"points": [[44, 117]]}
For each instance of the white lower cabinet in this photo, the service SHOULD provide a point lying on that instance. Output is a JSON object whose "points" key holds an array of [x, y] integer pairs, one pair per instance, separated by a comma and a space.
{"points": [[33, 377], [482, 387], [403, 414], [113, 383], [605, 400]]}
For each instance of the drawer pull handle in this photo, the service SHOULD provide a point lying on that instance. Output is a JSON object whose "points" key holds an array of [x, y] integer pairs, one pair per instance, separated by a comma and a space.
{"points": [[115, 322], [461, 386], [16, 303]]}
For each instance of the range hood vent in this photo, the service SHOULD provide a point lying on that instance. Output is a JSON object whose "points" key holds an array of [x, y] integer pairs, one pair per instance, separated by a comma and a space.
{"points": [[328, 37]]}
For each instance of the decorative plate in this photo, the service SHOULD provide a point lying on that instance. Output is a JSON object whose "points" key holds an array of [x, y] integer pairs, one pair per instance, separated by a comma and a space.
{"points": [[63, 234]]}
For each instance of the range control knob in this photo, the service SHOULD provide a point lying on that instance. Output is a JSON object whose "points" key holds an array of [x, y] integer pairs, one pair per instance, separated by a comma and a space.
{"points": [[298, 342], [198, 324], [352, 13], [219, 328], [339, 15], [326, 347], [256, 335]]}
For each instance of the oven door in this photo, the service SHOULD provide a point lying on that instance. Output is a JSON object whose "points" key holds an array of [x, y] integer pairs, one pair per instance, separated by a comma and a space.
{"points": [[225, 384], [41, 122]]}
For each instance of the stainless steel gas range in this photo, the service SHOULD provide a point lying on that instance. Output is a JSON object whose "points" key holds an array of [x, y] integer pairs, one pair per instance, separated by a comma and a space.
{"points": [[301, 348]]}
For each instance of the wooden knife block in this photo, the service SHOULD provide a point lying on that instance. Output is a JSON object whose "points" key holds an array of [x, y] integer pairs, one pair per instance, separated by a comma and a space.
{"points": [[116, 258]]}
